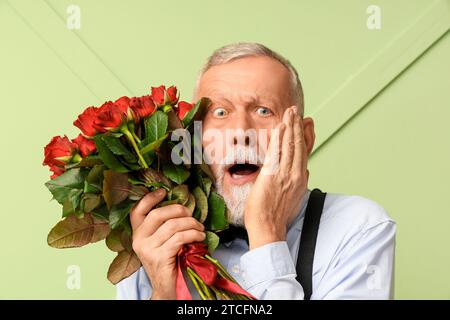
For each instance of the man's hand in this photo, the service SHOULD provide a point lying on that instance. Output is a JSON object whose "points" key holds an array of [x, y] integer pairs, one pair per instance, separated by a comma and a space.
{"points": [[158, 235], [276, 194]]}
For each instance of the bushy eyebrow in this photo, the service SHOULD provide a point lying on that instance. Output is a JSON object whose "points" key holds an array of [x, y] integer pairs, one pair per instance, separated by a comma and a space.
{"points": [[249, 100]]}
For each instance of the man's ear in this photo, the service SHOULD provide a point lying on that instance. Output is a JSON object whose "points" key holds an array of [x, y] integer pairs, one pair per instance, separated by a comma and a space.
{"points": [[309, 134]]}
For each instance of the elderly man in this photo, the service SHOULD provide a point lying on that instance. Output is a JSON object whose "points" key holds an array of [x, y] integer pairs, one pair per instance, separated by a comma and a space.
{"points": [[301, 244]]}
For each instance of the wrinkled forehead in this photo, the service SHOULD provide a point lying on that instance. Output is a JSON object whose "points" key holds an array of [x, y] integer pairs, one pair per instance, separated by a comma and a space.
{"points": [[246, 80]]}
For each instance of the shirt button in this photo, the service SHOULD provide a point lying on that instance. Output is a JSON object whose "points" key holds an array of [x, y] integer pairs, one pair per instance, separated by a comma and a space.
{"points": [[235, 269]]}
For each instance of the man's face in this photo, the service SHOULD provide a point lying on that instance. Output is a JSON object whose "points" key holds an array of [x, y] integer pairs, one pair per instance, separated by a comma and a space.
{"points": [[249, 96]]}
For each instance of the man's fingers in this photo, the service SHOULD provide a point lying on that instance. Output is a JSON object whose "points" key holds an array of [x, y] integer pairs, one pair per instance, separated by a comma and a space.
{"points": [[158, 217], [173, 245], [173, 226], [287, 147], [143, 207], [299, 143], [272, 157]]}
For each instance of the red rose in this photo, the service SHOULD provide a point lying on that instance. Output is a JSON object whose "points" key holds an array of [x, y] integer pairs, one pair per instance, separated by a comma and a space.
{"points": [[124, 104], [57, 171], [59, 151], [171, 94], [183, 108], [86, 146], [142, 107], [109, 117], [161, 96], [158, 94], [85, 121]]}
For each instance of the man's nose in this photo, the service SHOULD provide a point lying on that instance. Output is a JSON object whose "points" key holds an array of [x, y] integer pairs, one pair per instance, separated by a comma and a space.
{"points": [[241, 138], [241, 134]]}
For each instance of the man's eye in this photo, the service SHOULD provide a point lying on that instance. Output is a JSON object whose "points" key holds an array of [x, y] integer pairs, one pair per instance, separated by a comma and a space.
{"points": [[220, 113], [263, 111]]}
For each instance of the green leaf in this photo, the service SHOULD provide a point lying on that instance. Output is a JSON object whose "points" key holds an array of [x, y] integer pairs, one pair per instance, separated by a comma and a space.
{"points": [[116, 187], [118, 213], [63, 184], [179, 193], [201, 203], [137, 192], [190, 204], [176, 173], [149, 157], [216, 219], [152, 146], [72, 202], [95, 176], [89, 162], [156, 126], [116, 146], [166, 203], [124, 265], [126, 224], [157, 185], [212, 240], [132, 166], [206, 169], [153, 177], [90, 188], [113, 241], [75, 232], [101, 212], [135, 181], [107, 156], [89, 202], [197, 112], [204, 181], [206, 185]]}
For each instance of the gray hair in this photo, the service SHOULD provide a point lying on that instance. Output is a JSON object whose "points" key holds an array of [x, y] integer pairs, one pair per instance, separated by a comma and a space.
{"points": [[250, 49]]}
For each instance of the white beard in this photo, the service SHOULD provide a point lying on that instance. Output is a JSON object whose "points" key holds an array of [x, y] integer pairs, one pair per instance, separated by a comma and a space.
{"points": [[236, 197], [235, 201]]}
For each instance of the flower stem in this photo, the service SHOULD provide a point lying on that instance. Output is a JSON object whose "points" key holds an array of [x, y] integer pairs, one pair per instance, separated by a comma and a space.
{"points": [[221, 294], [194, 281], [222, 272], [221, 268], [133, 132], [124, 129], [206, 289]]}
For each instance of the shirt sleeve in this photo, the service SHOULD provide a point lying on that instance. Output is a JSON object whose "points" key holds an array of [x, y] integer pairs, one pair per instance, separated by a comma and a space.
{"points": [[269, 273], [135, 287], [364, 269]]}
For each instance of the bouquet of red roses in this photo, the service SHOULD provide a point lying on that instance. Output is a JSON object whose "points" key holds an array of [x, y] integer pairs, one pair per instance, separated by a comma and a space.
{"points": [[125, 149]]}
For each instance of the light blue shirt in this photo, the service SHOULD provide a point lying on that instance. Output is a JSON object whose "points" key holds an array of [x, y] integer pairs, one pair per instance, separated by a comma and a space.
{"points": [[354, 257]]}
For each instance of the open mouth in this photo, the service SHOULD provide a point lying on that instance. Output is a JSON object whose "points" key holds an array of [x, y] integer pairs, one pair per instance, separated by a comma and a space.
{"points": [[243, 172]]}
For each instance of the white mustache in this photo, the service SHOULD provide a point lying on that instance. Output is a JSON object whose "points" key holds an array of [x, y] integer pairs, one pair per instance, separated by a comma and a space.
{"points": [[240, 155]]}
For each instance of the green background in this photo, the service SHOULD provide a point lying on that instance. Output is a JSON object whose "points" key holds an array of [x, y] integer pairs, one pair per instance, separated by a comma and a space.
{"points": [[380, 99]]}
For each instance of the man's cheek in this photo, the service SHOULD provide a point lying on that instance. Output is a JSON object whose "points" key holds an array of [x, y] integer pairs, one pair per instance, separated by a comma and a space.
{"points": [[213, 146]]}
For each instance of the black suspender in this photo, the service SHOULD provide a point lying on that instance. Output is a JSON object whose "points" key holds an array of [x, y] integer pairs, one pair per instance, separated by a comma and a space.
{"points": [[308, 239]]}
